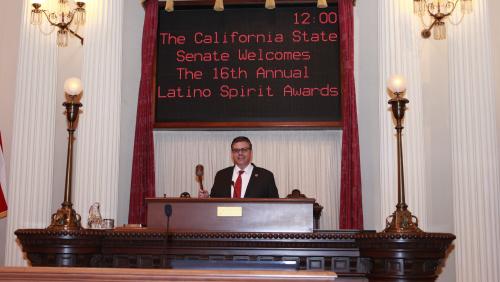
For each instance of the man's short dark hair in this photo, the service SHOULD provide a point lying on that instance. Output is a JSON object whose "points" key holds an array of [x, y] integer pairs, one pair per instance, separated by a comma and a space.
{"points": [[241, 139]]}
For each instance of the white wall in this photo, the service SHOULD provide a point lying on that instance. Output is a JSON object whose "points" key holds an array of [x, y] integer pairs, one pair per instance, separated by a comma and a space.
{"points": [[367, 85], [9, 45], [495, 34], [437, 142], [69, 65]]}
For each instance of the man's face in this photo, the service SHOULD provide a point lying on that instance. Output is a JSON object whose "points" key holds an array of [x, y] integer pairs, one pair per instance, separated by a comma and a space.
{"points": [[241, 154]]}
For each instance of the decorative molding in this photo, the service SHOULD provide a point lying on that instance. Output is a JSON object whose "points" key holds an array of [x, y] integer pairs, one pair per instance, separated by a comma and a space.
{"points": [[405, 236], [419, 261], [126, 248], [161, 234], [349, 253], [244, 2]]}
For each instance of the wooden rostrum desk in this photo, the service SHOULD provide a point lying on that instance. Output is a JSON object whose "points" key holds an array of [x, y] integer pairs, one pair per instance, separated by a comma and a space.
{"points": [[378, 256], [154, 248]]}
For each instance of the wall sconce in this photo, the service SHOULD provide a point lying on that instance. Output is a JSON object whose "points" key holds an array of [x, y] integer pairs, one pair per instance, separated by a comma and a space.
{"points": [[439, 11], [62, 18]]}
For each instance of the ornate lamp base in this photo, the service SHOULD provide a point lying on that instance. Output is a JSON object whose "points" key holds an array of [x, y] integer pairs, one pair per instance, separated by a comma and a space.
{"points": [[66, 218], [402, 222], [404, 257]]}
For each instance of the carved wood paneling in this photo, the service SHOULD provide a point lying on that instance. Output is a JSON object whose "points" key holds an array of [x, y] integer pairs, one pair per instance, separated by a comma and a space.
{"points": [[155, 248], [404, 257], [349, 253]]}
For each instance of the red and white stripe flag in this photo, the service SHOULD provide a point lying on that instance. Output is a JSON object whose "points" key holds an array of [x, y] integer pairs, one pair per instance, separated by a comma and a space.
{"points": [[3, 182]]}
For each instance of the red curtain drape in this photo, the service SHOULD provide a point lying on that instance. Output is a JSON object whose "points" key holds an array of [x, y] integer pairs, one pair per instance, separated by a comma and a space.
{"points": [[351, 210], [143, 172], [3, 180]]}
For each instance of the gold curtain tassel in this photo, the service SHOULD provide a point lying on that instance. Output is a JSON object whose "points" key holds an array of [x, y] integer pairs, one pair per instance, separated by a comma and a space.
{"points": [[322, 4], [219, 5], [270, 4], [169, 7]]}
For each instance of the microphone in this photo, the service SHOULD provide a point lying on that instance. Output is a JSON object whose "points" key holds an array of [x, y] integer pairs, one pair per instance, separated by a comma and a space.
{"points": [[168, 210]]}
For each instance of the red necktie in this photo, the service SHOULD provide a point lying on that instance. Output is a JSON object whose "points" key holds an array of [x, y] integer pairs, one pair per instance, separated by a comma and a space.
{"points": [[237, 185]]}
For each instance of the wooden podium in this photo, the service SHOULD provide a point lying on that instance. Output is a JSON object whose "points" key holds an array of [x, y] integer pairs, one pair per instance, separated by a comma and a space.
{"points": [[231, 215]]}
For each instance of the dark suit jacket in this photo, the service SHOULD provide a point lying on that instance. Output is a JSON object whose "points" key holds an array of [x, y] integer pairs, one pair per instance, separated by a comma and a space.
{"points": [[261, 184]]}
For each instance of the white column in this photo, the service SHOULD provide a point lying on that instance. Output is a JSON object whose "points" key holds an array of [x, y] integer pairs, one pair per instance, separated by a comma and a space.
{"points": [[475, 167], [98, 133], [399, 54], [30, 191]]}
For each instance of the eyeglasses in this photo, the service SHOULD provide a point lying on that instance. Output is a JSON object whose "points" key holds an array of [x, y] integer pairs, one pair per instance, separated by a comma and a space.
{"points": [[242, 150]]}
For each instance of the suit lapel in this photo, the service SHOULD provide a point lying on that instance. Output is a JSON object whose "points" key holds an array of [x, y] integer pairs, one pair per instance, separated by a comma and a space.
{"points": [[252, 181], [230, 177]]}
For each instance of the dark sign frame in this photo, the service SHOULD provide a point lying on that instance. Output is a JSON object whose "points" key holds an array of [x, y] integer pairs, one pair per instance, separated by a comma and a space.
{"points": [[337, 123]]}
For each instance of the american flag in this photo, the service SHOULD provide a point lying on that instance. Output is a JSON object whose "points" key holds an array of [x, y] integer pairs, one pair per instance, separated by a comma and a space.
{"points": [[3, 182]]}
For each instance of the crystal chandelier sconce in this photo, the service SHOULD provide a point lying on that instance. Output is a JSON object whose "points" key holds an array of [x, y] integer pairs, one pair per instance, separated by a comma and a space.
{"points": [[439, 11], [63, 19]]}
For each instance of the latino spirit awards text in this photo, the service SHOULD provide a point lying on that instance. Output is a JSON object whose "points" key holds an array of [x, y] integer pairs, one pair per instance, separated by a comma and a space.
{"points": [[235, 64]]}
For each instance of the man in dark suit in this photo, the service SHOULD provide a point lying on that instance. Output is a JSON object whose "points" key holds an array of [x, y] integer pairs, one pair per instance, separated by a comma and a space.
{"points": [[244, 179]]}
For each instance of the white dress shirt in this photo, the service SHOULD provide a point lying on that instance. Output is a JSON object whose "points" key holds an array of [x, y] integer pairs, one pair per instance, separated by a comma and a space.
{"points": [[245, 178]]}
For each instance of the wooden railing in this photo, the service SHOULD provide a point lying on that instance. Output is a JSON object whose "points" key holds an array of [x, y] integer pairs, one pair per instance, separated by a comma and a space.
{"points": [[123, 275]]}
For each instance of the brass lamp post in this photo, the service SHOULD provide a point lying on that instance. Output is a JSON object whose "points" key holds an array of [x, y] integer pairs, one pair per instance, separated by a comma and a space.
{"points": [[402, 251], [66, 218], [402, 221]]}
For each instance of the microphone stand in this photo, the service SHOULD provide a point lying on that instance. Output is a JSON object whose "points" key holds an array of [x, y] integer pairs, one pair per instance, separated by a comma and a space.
{"points": [[168, 213]]}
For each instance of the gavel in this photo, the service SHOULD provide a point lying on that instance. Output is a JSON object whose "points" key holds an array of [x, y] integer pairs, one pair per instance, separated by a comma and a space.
{"points": [[199, 176]]}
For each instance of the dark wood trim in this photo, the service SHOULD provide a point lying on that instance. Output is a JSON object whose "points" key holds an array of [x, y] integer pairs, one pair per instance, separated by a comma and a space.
{"points": [[252, 215], [231, 200], [377, 256], [257, 125], [405, 257], [327, 125], [156, 248], [30, 274], [228, 3], [181, 3]]}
